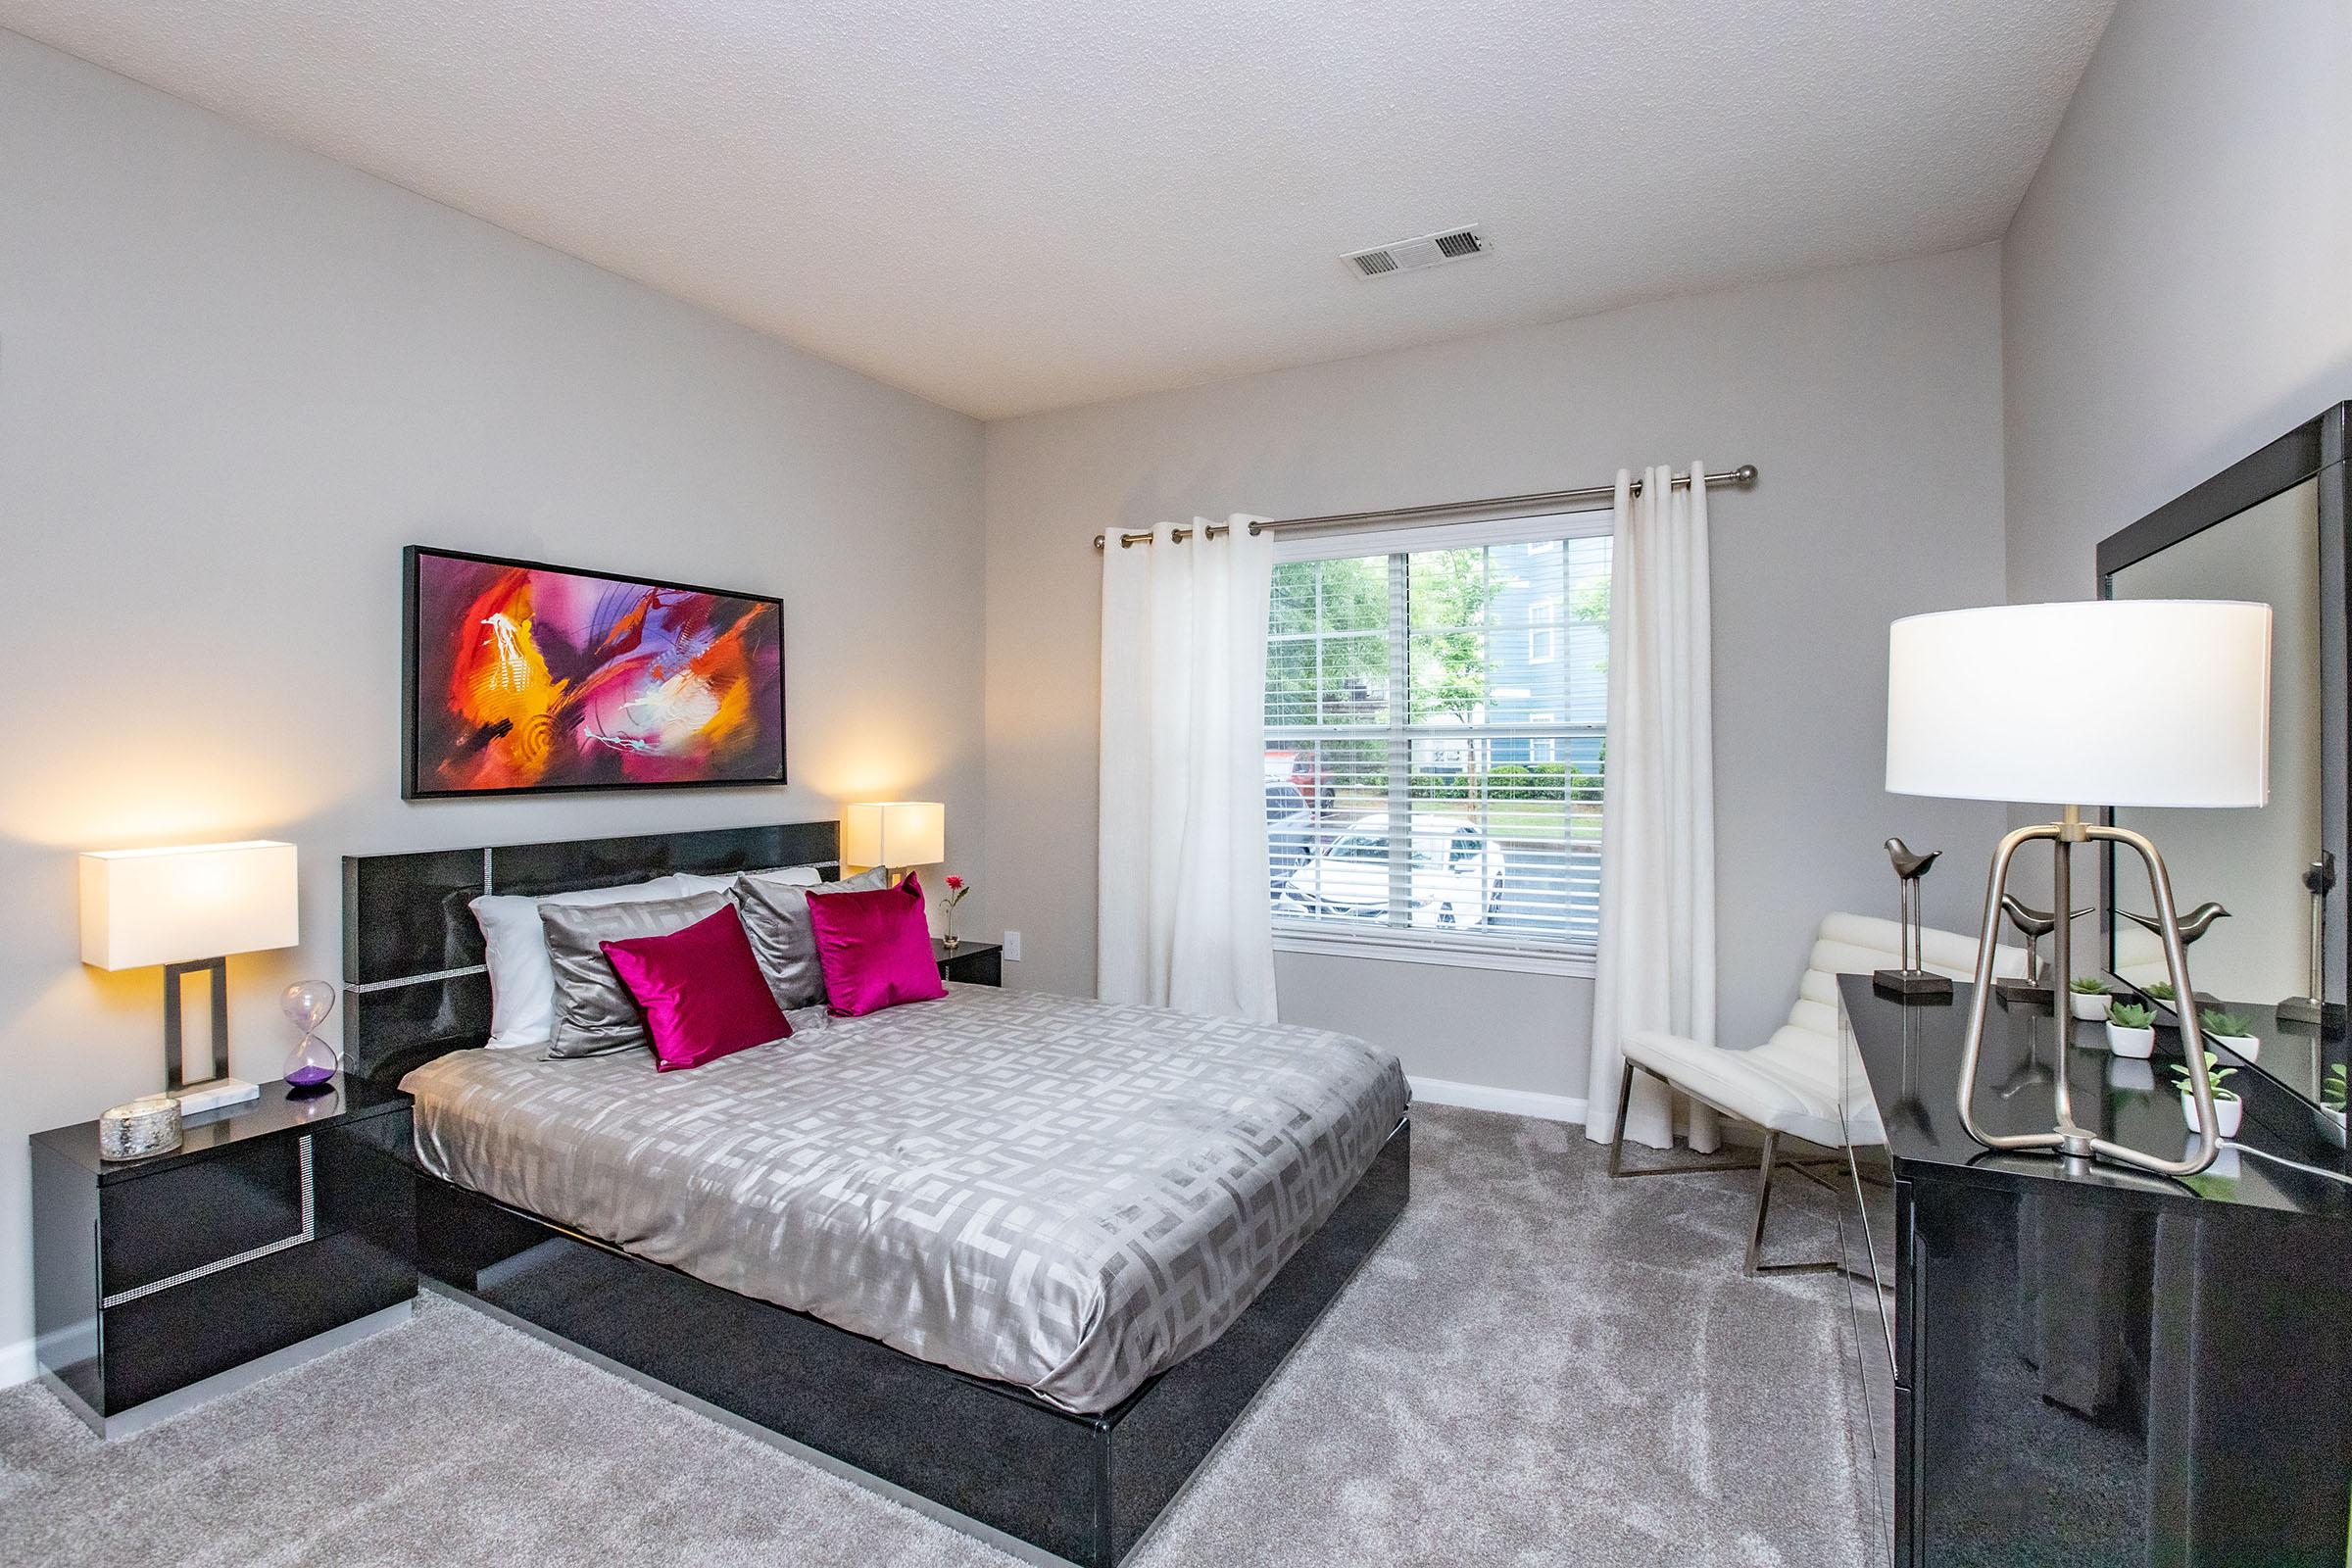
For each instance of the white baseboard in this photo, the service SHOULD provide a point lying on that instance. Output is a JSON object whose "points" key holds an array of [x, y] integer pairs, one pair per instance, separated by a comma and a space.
{"points": [[16, 1364], [1510, 1101]]}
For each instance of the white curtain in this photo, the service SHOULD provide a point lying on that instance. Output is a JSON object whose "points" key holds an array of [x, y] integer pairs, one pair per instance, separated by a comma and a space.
{"points": [[1182, 915], [1658, 857]]}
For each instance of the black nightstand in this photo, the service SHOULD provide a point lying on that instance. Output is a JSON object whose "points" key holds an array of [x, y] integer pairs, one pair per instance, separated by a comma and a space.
{"points": [[975, 963], [278, 1229]]}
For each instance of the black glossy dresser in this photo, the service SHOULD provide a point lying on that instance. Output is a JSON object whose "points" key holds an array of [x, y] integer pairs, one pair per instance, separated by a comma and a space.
{"points": [[2093, 1367], [279, 1228]]}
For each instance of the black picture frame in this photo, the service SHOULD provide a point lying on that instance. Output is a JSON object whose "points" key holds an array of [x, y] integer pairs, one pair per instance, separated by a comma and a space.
{"points": [[415, 786]]}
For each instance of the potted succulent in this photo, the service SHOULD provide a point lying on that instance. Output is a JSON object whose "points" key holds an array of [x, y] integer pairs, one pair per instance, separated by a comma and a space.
{"points": [[2162, 992], [2228, 1108], [2229, 1029], [2131, 1030], [2332, 1094], [2086, 997]]}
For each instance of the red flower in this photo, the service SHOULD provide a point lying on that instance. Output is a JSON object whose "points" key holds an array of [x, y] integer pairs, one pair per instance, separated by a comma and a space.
{"points": [[954, 881]]}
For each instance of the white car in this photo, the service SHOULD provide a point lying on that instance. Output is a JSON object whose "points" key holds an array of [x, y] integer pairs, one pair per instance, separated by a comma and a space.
{"points": [[1456, 873]]}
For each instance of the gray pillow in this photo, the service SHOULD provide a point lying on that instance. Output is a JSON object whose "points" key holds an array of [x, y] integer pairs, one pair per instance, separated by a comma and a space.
{"points": [[593, 1012], [776, 919]]}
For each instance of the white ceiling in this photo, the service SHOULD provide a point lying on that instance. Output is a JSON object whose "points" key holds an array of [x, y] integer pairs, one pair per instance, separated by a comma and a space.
{"points": [[1013, 205]]}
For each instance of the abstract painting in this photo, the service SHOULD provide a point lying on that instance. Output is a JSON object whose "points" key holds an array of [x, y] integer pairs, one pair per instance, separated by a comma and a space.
{"points": [[521, 677]]}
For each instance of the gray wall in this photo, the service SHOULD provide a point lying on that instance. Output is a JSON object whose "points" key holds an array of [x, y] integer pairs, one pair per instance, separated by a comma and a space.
{"points": [[1870, 400], [234, 379], [2173, 287], [2177, 285]]}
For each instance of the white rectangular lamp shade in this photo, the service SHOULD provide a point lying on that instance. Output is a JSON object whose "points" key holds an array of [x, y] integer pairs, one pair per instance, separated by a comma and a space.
{"points": [[895, 833], [177, 905]]}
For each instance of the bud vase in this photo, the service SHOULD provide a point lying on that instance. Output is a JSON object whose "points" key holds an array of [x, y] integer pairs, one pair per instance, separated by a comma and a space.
{"points": [[946, 928]]}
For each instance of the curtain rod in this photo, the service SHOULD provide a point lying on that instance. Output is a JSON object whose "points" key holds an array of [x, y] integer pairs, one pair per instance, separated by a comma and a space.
{"points": [[1740, 478]]}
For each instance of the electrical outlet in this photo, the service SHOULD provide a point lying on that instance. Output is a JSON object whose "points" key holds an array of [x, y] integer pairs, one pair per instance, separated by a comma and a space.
{"points": [[1012, 946]]}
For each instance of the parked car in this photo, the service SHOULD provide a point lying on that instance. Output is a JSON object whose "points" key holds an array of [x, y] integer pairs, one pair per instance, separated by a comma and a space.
{"points": [[1455, 875]]}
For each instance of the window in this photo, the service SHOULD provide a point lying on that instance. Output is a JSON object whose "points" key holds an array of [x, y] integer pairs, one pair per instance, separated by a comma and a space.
{"points": [[1543, 631], [1436, 730]]}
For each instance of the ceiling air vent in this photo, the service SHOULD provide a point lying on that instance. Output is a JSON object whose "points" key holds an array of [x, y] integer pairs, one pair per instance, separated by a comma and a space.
{"points": [[1428, 250]]}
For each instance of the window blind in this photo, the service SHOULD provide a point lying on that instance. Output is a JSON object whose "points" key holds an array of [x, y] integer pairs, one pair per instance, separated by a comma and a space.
{"points": [[1437, 738]]}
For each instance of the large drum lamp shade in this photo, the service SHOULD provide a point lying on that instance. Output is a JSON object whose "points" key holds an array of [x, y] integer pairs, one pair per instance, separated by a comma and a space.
{"points": [[2140, 703]]}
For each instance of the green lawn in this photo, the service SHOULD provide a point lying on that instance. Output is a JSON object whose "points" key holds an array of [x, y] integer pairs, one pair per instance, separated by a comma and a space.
{"points": [[1524, 820]]}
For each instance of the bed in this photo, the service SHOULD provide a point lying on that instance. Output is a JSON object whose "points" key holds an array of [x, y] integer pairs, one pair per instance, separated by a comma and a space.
{"points": [[1018, 1260]]}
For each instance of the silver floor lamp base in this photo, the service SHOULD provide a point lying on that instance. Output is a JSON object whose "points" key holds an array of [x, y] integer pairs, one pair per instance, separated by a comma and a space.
{"points": [[2069, 1138]]}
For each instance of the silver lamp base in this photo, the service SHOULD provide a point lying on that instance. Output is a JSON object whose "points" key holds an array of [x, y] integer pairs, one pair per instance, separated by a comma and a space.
{"points": [[2069, 1138]]}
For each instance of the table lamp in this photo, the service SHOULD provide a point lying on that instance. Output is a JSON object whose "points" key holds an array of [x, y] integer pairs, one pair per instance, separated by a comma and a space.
{"points": [[2154, 702], [186, 909], [895, 833]]}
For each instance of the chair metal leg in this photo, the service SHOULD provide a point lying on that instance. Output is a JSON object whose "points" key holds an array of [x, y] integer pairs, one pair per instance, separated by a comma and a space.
{"points": [[1764, 1172], [1624, 1101], [1755, 1232]]}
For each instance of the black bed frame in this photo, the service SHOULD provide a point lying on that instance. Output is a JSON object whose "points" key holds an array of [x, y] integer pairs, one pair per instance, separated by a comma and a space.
{"points": [[990, 1458]]}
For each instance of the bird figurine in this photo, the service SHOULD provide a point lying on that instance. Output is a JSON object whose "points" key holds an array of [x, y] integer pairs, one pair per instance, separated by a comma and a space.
{"points": [[2035, 924], [1908, 866], [2195, 924], [1913, 978]]}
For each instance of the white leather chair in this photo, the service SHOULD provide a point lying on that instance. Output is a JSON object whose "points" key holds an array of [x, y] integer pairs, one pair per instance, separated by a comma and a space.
{"points": [[1795, 1084]]}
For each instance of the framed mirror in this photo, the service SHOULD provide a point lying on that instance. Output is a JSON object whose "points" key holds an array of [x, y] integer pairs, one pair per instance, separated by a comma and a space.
{"points": [[2264, 891]]}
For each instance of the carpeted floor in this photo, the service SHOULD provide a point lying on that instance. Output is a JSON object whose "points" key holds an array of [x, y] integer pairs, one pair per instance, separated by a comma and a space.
{"points": [[1539, 1366]]}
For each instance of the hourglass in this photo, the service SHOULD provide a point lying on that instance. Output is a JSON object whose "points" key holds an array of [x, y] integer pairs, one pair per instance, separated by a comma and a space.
{"points": [[306, 1004]]}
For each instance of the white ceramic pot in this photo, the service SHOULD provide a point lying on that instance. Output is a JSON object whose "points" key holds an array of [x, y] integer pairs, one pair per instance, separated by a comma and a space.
{"points": [[2137, 1044], [2226, 1112], [2090, 1009], [2247, 1047]]}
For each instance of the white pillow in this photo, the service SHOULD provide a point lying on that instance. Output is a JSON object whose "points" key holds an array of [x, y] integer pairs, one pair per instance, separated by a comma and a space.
{"points": [[522, 978]]}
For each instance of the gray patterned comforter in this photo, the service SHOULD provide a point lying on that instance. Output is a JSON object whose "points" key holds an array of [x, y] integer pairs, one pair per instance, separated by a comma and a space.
{"points": [[1063, 1195]]}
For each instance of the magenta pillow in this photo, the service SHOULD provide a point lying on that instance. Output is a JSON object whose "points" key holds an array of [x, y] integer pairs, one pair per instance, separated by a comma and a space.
{"points": [[701, 990], [875, 949]]}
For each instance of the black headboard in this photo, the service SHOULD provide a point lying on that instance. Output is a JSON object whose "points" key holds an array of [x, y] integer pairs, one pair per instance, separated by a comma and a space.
{"points": [[413, 982]]}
